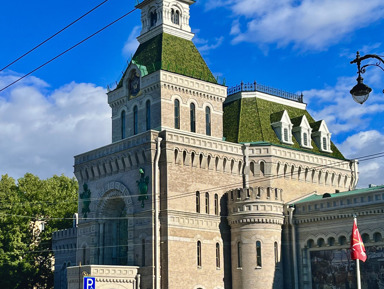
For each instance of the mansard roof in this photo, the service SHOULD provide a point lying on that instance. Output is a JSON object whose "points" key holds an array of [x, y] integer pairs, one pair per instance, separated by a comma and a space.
{"points": [[173, 54], [249, 119]]}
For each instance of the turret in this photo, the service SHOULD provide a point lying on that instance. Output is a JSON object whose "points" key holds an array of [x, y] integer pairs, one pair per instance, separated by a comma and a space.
{"points": [[255, 216]]}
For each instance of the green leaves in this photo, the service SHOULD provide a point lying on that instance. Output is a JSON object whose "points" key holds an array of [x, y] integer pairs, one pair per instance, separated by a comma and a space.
{"points": [[25, 252]]}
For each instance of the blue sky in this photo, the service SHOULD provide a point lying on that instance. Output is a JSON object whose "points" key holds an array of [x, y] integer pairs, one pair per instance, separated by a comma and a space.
{"points": [[299, 46]]}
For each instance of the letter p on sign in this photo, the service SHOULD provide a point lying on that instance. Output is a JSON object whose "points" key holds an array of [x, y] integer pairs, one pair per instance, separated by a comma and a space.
{"points": [[89, 283]]}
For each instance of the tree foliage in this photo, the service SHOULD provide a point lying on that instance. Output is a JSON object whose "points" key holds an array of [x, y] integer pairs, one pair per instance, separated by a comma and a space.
{"points": [[26, 257]]}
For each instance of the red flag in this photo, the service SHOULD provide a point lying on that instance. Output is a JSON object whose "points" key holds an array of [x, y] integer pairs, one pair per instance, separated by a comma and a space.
{"points": [[357, 245]]}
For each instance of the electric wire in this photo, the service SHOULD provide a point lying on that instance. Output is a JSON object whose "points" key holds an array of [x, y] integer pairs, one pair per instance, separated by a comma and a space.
{"points": [[52, 36], [182, 195], [67, 50], [231, 185]]}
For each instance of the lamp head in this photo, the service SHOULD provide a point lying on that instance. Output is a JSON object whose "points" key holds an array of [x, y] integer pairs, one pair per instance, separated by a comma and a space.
{"points": [[360, 92]]}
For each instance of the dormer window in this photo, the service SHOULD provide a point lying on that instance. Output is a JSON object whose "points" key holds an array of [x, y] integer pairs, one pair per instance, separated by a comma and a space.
{"points": [[175, 16], [302, 131], [321, 136], [282, 127]]}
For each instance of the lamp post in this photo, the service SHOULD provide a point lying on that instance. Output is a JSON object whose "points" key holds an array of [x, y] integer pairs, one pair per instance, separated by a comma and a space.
{"points": [[360, 92]]}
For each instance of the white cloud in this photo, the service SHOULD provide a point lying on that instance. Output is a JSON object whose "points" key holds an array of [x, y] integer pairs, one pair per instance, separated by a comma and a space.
{"points": [[42, 130], [336, 106], [207, 47], [131, 44], [305, 24], [362, 144]]}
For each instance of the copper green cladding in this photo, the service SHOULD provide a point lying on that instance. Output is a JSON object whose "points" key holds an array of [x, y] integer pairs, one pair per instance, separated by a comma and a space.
{"points": [[173, 54], [249, 120]]}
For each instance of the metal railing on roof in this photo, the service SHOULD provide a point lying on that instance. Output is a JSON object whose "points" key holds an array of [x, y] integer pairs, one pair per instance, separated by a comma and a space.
{"points": [[265, 89]]}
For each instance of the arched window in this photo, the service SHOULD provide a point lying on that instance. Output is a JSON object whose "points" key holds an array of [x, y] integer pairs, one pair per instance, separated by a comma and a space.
{"points": [[123, 125], [258, 253], [208, 121], [262, 168], [192, 114], [197, 202], [217, 255], [239, 256], [199, 263], [143, 252], [276, 250], [175, 16], [153, 18], [177, 114], [148, 115], [216, 205], [207, 203], [135, 120]]}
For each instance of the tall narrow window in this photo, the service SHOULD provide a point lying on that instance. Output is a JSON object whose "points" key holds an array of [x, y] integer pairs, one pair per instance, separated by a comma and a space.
{"points": [[199, 263], [262, 168], [177, 114], [276, 253], [207, 203], [239, 256], [197, 202], [217, 255], [216, 205], [324, 143], [123, 125], [143, 252], [208, 121], [135, 120], [258, 253], [153, 16], [175, 16], [148, 115], [285, 134], [305, 136], [193, 117]]}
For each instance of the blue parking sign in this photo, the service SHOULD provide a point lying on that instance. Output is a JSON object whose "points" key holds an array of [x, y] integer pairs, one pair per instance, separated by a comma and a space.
{"points": [[89, 283]]}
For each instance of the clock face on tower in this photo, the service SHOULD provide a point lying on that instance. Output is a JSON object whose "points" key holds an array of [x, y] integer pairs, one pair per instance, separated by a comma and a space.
{"points": [[134, 83]]}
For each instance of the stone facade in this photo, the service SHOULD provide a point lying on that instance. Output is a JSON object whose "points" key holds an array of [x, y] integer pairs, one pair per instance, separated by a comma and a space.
{"points": [[171, 204]]}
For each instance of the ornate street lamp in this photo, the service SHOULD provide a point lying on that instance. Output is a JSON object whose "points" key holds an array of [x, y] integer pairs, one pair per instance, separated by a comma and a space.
{"points": [[360, 91]]}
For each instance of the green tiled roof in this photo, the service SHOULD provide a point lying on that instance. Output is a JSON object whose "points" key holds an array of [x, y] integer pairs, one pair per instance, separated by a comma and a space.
{"points": [[248, 120], [173, 54], [341, 194]]}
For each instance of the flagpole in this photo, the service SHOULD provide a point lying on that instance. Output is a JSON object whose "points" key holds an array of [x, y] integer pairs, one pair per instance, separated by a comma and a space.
{"points": [[357, 262]]}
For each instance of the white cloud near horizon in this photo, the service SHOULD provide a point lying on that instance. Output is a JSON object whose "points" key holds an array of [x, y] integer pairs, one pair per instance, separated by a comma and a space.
{"points": [[304, 24], [41, 130]]}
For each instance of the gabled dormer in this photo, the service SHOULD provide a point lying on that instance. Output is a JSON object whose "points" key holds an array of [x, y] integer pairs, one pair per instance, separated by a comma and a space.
{"points": [[302, 131], [165, 16], [321, 136], [282, 125]]}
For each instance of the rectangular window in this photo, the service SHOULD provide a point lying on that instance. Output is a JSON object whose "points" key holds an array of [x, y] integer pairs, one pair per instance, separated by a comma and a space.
{"points": [[199, 263], [239, 256], [258, 254]]}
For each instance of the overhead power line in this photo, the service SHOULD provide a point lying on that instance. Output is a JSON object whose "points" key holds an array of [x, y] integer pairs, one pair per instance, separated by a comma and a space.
{"points": [[4, 206], [69, 49], [49, 38]]}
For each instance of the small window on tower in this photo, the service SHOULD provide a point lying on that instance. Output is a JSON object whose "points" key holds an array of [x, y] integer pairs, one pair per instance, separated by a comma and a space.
{"points": [[175, 16], [153, 18]]}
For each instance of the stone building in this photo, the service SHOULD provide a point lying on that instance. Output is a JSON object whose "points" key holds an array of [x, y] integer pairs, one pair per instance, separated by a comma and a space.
{"points": [[199, 185]]}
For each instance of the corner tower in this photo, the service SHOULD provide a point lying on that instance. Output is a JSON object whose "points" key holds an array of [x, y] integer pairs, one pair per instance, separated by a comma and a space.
{"points": [[167, 84]]}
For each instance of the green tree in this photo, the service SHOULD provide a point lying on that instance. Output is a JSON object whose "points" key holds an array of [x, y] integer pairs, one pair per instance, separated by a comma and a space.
{"points": [[25, 253]]}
